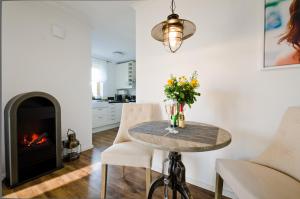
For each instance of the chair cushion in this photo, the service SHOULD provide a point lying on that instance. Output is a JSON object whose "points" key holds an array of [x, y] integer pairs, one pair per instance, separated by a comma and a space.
{"points": [[253, 181], [128, 154], [284, 152]]}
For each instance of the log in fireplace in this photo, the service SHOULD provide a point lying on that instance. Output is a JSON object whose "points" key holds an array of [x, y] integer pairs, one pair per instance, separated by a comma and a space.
{"points": [[32, 136]]}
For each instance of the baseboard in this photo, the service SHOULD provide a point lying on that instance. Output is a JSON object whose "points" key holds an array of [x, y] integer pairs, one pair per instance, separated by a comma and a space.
{"points": [[206, 186], [198, 183], [106, 127], [87, 148]]}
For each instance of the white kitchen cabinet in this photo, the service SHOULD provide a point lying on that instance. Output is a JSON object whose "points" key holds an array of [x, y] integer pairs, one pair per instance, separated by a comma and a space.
{"points": [[99, 116], [125, 75], [118, 111], [105, 115]]}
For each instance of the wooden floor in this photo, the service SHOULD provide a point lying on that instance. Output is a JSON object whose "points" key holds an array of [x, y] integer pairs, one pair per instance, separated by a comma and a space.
{"points": [[82, 179]]}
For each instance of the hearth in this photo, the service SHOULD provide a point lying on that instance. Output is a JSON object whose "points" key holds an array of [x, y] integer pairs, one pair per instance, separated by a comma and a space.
{"points": [[33, 136]]}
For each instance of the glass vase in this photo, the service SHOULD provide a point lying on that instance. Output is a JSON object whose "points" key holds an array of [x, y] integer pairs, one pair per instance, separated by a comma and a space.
{"points": [[171, 107]]}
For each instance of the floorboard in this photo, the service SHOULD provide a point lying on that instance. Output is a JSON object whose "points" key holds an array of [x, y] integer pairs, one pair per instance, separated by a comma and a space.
{"points": [[82, 179]]}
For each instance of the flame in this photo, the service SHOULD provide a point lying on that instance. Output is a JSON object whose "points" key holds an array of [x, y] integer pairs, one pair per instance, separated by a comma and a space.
{"points": [[44, 139], [32, 139]]}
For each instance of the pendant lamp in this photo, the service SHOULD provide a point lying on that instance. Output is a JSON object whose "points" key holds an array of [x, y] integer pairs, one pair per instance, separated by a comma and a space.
{"points": [[173, 31]]}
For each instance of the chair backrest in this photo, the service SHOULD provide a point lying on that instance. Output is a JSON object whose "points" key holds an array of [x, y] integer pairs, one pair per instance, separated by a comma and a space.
{"points": [[284, 152], [133, 114]]}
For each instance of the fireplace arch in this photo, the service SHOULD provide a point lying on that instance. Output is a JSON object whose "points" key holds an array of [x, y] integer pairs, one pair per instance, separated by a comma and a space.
{"points": [[32, 135]]}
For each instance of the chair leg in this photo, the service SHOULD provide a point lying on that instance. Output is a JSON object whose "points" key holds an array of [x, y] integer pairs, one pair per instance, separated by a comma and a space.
{"points": [[148, 180], [219, 187], [103, 181]]}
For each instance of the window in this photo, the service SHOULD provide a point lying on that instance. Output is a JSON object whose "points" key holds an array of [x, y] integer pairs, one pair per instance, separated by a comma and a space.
{"points": [[99, 76]]}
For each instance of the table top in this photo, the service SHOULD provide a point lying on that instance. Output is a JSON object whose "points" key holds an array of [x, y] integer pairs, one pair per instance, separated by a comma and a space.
{"points": [[195, 137]]}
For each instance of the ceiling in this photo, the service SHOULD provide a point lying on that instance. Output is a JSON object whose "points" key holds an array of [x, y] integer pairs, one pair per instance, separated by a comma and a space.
{"points": [[113, 27]]}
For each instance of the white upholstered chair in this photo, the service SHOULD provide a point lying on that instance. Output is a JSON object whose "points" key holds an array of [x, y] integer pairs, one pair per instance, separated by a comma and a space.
{"points": [[275, 174], [125, 152]]}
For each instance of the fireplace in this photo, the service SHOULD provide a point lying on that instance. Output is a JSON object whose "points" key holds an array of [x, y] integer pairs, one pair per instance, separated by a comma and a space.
{"points": [[33, 137]]}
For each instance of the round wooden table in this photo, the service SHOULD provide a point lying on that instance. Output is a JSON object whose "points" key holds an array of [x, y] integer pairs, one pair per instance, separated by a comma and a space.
{"points": [[195, 137]]}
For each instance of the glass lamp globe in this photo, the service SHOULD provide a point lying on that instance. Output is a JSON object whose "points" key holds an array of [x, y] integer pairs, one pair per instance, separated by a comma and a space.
{"points": [[173, 36]]}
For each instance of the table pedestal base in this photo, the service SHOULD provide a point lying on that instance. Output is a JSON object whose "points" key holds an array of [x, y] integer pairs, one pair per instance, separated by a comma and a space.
{"points": [[175, 180]]}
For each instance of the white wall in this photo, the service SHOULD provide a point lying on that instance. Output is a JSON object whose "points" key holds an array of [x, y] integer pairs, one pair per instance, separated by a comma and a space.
{"points": [[227, 52], [34, 60]]}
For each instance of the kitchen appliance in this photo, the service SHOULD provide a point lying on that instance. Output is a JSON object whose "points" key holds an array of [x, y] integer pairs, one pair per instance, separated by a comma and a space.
{"points": [[118, 98], [122, 91], [132, 98], [110, 99], [122, 95]]}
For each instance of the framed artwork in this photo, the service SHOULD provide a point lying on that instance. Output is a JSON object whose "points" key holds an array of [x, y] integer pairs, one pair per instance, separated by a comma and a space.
{"points": [[282, 34]]}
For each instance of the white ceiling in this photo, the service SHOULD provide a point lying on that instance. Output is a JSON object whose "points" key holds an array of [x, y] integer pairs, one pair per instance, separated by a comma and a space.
{"points": [[113, 27]]}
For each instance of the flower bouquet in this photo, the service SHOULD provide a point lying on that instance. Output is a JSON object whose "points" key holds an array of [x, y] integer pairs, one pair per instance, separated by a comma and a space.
{"points": [[180, 91]]}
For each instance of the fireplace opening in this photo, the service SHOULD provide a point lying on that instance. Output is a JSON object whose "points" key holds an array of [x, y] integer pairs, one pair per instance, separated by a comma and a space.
{"points": [[36, 137], [33, 132]]}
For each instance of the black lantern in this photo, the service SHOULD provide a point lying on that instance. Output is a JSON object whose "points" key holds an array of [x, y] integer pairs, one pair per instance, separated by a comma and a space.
{"points": [[72, 147]]}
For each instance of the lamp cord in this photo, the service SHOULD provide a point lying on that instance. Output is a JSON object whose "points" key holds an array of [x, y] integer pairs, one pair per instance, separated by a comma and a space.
{"points": [[173, 6]]}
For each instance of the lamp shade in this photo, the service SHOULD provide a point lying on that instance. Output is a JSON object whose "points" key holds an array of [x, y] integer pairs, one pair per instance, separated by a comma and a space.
{"points": [[173, 31]]}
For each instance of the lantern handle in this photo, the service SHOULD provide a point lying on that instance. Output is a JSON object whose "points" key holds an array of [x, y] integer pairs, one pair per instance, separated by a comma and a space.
{"points": [[69, 131]]}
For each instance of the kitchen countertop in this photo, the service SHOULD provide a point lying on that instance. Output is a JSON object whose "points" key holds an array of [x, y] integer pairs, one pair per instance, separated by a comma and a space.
{"points": [[111, 102], [130, 101]]}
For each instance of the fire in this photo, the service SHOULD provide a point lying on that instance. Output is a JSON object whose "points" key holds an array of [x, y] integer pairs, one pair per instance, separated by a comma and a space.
{"points": [[42, 140], [34, 139]]}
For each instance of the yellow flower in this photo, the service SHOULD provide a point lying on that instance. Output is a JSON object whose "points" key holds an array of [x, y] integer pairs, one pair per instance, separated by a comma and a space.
{"points": [[170, 82], [182, 80], [194, 83]]}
